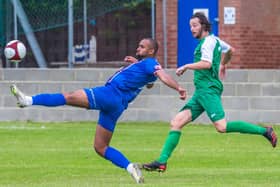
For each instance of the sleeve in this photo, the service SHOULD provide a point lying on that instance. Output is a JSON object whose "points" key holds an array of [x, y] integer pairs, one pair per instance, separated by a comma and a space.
{"points": [[207, 49], [152, 66], [225, 46]]}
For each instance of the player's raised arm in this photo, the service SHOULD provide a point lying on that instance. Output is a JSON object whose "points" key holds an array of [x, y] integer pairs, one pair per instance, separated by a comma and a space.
{"points": [[172, 83]]}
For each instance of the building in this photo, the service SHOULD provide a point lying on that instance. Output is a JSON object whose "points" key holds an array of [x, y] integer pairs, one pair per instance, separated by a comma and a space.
{"points": [[254, 30]]}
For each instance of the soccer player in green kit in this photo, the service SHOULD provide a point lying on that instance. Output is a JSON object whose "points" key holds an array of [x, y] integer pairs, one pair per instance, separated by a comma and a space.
{"points": [[208, 90]]}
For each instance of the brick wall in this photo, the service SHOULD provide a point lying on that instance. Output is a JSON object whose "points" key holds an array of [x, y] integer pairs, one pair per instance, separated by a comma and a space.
{"points": [[256, 34]]}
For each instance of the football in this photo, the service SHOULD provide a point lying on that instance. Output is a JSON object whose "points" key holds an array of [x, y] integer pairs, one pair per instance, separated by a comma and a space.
{"points": [[15, 51]]}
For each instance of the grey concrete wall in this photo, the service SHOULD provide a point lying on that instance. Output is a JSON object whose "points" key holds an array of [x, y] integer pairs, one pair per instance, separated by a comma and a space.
{"points": [[251, 95]]}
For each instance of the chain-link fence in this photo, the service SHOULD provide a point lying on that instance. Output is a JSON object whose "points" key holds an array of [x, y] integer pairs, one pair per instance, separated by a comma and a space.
{"points": [[115, 24], [48, 14]]}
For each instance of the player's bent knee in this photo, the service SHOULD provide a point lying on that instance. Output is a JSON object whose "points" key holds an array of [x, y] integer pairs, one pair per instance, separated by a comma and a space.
{"points": [[175, 125], [221, 129], [221, 125], [99, 150], [69, 97]]}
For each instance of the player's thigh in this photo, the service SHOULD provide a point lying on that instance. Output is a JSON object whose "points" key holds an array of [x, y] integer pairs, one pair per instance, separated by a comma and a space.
{"points": [[194, 107], [108, 119], [105, 128], [212, 104], [103, 98], [76, 98]]}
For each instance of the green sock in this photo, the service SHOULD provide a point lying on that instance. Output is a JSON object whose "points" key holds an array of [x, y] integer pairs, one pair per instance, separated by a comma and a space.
{"points": [[170, 144], [244, 127]]}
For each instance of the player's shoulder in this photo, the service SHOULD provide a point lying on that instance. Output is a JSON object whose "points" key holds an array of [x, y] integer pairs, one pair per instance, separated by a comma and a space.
{"points": [[211, 38], [224, 45], [209, 42]]}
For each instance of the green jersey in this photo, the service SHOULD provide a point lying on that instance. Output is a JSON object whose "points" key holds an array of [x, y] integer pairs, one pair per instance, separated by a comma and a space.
{"points": [[208, 49]]}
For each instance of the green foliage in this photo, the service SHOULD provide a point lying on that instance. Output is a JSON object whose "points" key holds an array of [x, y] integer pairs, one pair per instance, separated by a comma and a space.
{"points": [[61, 154]]}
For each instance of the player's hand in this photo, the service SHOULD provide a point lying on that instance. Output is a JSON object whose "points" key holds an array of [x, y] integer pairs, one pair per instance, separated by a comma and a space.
{"points": [[130, 59], [183, 93], [222, 72], [180, 71]]}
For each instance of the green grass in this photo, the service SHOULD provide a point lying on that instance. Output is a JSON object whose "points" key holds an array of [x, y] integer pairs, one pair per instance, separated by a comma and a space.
{"points": [[61, 154]]}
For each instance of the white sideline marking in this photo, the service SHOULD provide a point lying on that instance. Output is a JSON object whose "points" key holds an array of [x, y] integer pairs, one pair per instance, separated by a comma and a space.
{"points": [[22, 127]]}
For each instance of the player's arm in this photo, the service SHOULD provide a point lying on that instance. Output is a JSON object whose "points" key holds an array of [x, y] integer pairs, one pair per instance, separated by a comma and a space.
{"points": [[206, 58], [226, 59], [228, 56], [197, 65], [227, 51], [169, 81]]}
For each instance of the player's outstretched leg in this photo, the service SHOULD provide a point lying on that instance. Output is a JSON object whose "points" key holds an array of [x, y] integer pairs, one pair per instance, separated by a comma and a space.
{"points": [[43, 99], [20, 96], [271, 136], [155, 166], [245, 127]]}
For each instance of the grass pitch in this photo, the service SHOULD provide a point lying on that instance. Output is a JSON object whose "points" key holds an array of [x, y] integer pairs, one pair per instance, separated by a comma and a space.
{"points": [[61, 154]]}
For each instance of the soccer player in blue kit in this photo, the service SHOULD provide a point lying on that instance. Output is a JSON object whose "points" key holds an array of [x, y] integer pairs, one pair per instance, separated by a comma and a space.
{"points": [[112, 99]]}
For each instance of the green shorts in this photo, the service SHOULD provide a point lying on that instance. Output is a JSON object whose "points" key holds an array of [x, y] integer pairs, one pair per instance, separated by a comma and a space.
{"points": [[203, 101]]}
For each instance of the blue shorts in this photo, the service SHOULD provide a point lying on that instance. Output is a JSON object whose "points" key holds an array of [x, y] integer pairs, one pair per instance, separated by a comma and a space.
{"points": [[109, 102]]}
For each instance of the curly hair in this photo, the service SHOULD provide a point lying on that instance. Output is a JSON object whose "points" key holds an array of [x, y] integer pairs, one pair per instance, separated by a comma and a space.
{"points": [[203, 20]]}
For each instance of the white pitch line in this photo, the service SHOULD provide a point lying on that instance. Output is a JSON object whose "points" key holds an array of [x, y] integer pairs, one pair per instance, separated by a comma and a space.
{"points": [[22, 128]]}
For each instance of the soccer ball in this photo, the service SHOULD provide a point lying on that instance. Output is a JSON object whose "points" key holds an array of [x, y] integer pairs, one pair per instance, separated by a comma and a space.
{"points": [[15, 51]]}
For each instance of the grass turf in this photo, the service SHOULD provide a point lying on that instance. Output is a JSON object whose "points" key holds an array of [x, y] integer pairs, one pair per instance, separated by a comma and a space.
{"points": [[61, 154]]}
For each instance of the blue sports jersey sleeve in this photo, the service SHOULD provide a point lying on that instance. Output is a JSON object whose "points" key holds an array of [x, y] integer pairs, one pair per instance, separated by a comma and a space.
{"points": [[151, 65]]}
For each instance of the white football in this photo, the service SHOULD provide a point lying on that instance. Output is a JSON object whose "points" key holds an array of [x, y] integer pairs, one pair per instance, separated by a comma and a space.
{"points": [[15, 51]]}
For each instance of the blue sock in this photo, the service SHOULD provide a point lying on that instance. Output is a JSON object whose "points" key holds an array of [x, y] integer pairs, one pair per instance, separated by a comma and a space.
{"points": [[116, 157], [56, 99]]}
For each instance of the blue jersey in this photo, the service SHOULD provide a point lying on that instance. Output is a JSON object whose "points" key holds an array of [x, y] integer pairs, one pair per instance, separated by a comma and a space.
{"points": [[113, 98], [131, 79]]}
